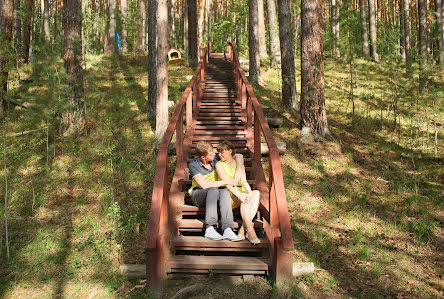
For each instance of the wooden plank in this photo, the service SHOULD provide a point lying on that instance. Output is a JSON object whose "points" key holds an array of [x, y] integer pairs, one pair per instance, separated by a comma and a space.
{"points": [[217, 271], [217, 262], [199, 241], [184, 224]]}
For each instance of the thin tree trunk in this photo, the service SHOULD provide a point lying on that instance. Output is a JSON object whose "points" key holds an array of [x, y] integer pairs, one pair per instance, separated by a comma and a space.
{"points": [[45, 14], [208, 20], [162, 68], [6, 23], [440, 31], [408, 52], [365, 47], [111, 44], [253, 43], [17, 30], [124, 8], [313, 113], [401, 27], [372, 17], [142, 25], [185, 26], [423, 76], [261, 30], [27, 30], [72, 26], [192, 33], [201, 25], [335, 27], [289, 92], [274, 34], [152, 59]]}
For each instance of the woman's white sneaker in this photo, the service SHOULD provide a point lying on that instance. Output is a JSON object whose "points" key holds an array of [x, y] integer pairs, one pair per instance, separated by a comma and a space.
{"points": [[230, 235]]}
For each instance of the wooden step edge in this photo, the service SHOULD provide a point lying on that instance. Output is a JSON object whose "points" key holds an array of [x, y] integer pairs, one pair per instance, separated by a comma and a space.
{"points": [[237, 263]]}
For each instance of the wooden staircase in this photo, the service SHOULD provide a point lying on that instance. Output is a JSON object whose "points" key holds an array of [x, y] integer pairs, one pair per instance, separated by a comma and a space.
{"points": [[218, 104]]}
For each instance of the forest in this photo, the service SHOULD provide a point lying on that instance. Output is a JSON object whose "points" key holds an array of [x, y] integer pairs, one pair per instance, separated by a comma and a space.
{"points": [[87, 92]]}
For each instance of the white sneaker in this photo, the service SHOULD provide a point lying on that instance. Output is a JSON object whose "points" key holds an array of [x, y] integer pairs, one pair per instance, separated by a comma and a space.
{"points": [[211, 233], [230, 235]]}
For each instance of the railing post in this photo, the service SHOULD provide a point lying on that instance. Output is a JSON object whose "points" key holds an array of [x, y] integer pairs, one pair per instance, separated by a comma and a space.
{"points": [[274, 220], [249, 112], [189, 109], [179, 139], [257, 139]]}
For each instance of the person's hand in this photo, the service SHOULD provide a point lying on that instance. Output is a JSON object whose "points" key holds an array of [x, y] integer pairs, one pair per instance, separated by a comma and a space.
{"points": [[231, 182], [238, 176], [245, 197]]}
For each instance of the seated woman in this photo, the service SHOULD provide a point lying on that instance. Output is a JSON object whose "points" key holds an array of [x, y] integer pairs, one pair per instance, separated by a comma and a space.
{"points": [[244, 197]]}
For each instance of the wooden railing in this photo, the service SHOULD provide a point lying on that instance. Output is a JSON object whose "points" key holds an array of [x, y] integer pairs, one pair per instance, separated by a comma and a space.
{"points": [[273, 199], [156, 246]]}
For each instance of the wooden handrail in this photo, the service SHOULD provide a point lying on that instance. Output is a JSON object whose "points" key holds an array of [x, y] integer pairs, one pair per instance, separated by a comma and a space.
{"points": [[277, 195], [159, 200]]}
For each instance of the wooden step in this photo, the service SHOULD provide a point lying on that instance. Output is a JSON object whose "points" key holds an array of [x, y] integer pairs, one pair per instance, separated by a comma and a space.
{"points": [[200, 243], [217, 264], [198, 224]]}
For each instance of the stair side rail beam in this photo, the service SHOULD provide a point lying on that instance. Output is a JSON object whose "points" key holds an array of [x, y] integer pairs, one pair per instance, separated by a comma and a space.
{"points": [[157, 234], [276, 181]]}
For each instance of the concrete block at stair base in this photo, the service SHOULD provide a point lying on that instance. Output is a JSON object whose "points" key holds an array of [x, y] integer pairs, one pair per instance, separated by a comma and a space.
{"points": [[133, 271], [282, 147], [303, 268]]}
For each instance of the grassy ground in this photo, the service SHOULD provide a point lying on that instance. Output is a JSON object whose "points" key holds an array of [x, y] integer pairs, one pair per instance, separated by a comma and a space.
{"points": [[365, 208]]}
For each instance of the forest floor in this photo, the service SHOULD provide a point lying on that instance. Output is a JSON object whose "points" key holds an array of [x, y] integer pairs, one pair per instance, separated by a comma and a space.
{"points": [[366, 208]]}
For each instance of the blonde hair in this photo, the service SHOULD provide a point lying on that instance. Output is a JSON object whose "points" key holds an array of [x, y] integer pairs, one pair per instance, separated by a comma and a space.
{"points": [[203, 148], [226, 145]]}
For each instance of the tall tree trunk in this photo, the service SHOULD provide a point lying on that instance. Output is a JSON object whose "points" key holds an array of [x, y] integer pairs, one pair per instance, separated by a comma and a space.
{"points": [[6, 21], [422, 34], [124, 8], [253, 43], [45, 21], [185, 27], [152, 58], [27, 30], [17, 30], [158, 89], [313, 113], [261, 30], [440, 31], [142, 25], [72, 27], [192, 33], [372, 17], [274, 33], [289, 92], [365, 48], [401, 35], [408, 52], [201, 25], [172, 33], [111, 44], [208, 21], [335, 27]]}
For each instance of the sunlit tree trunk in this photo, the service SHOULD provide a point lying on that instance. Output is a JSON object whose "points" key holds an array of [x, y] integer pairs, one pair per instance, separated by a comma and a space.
{"points": [[200, 24], [6, 23], [192, 33], [372, 17], [142, 25], [253, 43], [408, 52], [274, 33], [422, 16], [208, 20], [111, 41], [364, 24], [289, 92], [45, 20], [261, 30], [152, 58], [124, 8], [313, 113], [17, 29], [72, 27], [335, 27]]}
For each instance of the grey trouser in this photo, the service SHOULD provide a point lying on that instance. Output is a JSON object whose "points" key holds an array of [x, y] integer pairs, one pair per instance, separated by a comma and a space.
{"points": [[209, 198]]}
